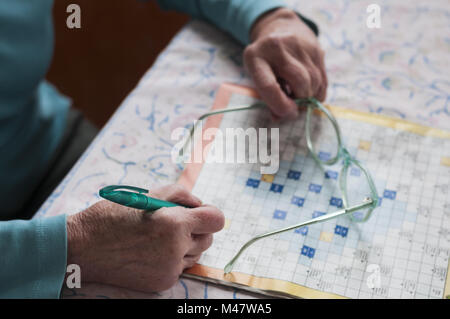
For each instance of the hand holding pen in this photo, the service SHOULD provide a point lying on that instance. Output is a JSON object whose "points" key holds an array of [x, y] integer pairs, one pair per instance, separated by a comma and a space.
{"points": [[126, 247]]}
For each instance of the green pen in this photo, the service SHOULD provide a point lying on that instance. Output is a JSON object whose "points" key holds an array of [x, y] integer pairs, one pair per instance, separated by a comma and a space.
{"points": [[134, 199]]}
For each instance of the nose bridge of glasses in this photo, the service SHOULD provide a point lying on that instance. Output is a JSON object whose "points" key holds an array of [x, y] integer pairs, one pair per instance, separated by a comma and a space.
{"points": [[347, 158], [373, 196]]}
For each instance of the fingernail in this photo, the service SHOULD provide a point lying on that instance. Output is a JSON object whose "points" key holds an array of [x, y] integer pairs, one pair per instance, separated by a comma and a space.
{"points": [[197, 199]]}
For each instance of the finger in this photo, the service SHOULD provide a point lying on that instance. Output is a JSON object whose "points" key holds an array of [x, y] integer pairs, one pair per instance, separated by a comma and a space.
{"points": [[322, 92], [321, 96], [303, 75], [316, 80], [176, 193], [190, 260], [269, 89], [206, 220], [200, 243], [298, 78], [319, 60]]}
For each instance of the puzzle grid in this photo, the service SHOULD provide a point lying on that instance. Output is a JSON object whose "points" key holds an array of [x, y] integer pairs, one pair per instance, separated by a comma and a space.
{"points": [[406, 239]]}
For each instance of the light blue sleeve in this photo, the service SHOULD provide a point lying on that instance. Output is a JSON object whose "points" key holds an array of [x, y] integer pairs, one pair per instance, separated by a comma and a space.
{"points": [[33, 257], [233, 16]]}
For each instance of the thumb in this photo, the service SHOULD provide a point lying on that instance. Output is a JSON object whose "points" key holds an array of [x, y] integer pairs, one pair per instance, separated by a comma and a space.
{"points": [[176, 193]]}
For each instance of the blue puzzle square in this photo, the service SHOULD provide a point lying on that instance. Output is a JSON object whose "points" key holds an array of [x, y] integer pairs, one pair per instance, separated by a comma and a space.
{"points": [[389, 194], [324, 156], [279, 214], [311, 252], [354, 171], [341, 230], [276, 188], [305, 250], [302, 230], [308, 251], [358, 215], [316, 213], [331, 174], [315, 188], [299, 201], [337, 202], [252, 183], [294, 175]]}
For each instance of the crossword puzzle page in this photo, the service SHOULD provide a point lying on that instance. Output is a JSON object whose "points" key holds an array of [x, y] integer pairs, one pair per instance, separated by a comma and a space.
{"points": [[402, 251]]}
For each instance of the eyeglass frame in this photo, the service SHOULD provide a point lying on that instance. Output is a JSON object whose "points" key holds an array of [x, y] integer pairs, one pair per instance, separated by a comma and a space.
{"points": [[312, 104]]}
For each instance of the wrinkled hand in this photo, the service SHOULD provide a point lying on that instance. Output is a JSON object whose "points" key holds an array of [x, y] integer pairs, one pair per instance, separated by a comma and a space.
{"points": [[129, 248], [285, 50]]}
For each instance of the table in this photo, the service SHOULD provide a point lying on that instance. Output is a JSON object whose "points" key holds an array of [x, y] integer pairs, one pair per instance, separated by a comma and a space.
{"points": [[398, 70]]}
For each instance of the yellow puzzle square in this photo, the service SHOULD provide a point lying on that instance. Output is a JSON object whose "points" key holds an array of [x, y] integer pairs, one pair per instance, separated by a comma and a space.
{"points": [[364, 145], [324, 236], [227, 223], [445, 161], [268, 178]]}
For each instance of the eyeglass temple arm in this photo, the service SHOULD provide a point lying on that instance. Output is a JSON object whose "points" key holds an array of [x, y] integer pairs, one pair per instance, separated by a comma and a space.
{"points": [[221, 111], [367, 203]]}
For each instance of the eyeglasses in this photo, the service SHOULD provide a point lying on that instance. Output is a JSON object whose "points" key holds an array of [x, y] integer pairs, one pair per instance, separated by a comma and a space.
{"points": [[358, 212]]}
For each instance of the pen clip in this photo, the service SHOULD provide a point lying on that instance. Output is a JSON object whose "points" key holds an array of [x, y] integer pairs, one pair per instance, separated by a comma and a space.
{"points": [[110, 190]]}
